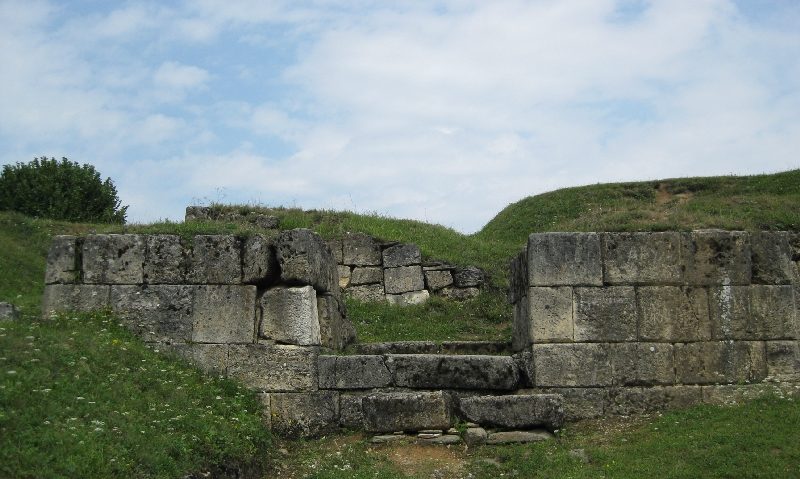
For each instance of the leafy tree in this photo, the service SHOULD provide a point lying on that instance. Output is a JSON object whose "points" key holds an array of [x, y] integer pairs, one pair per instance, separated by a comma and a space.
{"points": [[62, 190]]}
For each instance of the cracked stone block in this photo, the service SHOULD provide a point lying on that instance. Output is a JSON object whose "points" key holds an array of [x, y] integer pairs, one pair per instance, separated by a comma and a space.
{"points": [[335, 329], [353, 372], [165, 261], [435, 371], [308, 414], [639, 364], [437, 279], [642, 258], [224, 314], [408, 299], [407, 411], [62, 261], [155, 313], [273, 368], [289, 315], [216, 259], [672, 313], [753, 312], [305, 259], [570, 365], [715, 257], [720, 362], [268, 222], [403, 279], [259, 260], [197, 213], [113, 259], [605, 314], [59, 298], [520, 411], [772, 257], [564, 259], [401, 255], [368, 293], [361, 250], [366, 275]]}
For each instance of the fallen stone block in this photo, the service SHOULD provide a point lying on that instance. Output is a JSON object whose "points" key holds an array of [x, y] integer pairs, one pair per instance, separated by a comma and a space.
{"points": [[274, 368], [408, 299], [454, 371], [442, 440], [605, 314], [389, 412], [113, 259], [260, 261], [513, 437], [166, 260], [290, 316], [437, 279], [155, 313], [353, 372], [564, 259], [308, 414], [224, 314], [671, 313], [305, 259], [386, 438], [715, 257], [59, 298], [475, 436], [403, 279], [515, 411], [361, 250], [216, 259], [62, 261], [468, 277], [642, 258], [401, 255]]}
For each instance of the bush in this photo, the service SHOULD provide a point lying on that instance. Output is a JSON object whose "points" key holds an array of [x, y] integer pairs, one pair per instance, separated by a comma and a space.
{"points": [[62, 190]]}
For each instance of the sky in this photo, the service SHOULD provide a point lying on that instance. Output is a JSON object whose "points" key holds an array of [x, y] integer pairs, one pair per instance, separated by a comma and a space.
{"points": [[442, 111]]}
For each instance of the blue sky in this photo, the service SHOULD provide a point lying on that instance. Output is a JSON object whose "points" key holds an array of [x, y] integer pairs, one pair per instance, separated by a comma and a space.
{"points": [[440, 111]]}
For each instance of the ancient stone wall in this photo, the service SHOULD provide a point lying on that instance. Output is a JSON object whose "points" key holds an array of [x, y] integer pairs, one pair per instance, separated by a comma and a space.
{"points": [[625, 322]]}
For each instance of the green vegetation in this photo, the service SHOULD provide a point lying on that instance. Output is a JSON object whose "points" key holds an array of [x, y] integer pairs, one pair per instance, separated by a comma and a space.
{"points": [[61, 190]]}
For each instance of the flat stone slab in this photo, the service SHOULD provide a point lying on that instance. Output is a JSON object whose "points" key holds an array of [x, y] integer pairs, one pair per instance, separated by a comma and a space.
{"points": [[409, 298], [514, 412], [511, 437], [389, 412], [429, 371]]}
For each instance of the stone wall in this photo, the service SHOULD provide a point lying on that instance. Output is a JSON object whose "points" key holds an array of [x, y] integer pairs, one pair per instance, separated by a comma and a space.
{"points": [[620, 322]]}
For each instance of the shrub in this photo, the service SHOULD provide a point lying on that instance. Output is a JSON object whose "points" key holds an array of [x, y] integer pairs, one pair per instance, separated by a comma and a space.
{"points": [[62, 190]]}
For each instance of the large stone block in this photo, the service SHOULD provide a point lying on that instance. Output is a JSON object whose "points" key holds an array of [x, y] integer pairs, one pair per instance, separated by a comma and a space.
{"points": [[305, 259], [715, 257], [368, 293], [389, 412], [672, 313], [437, 279], [730, 394], [353, 372], [366, 275], [216, 259], [408, 299], [113, 259], [772, 257], [361, 250], [579, 403], [753, 312], [518, 277], [351, 415], [309, 414], [637, 400], [197, 213], [266, 367], [522, 325], [398, 347], [224, 314], [468, 277], [401, 255], [289, 315], [514, 412], [454, 371], [570, 365], [335, 330], [642, 258], [637, 364], [403, 279], [551, 314], [155, 313], [720, 362], [59, 298], [783, 359], [260, 261], [62, 261], [336, 249], [459, 294], [564, 259], [165, 261], [211, 358], [605, 314]]}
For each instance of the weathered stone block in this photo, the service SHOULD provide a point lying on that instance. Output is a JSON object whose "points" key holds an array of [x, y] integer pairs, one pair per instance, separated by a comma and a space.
{"points": [[216, 259], [522, 325], [368, 293], [113, 259], [672, 313], [517, 437], [518, 277], [224, 314], [259, 261], [454, 371], [514, 412], [459, 294], [8, 312], [729, 394], [344, 276], [605, 314], [389, 412], [408, 299], [753, 312], [366, 275], [468, 277], [351, 415], [398, 347], [307, 414], [635, 400], [361, 250], [438, 279], [579, 403], [306, 260], [74, 297], [403, 279], [569, 365], [335, 330], [353, 372], [211, 358], [772, 257], [401, 255], [165, 261], [564, 259], [62, 261], [720, 362], [783, 359], [157, 313], [267, 222], [551, 314], [274, 368], [637, 364], [289, 315], [197, 213], [336, 249], [642, 258], [476, 347], [715, 257]]}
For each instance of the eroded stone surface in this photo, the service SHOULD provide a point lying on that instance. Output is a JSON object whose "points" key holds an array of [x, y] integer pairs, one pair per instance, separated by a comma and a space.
{"points": [[642, 258], [438, 279], [753, 312], [468, 277], [307, 414], [605, 314], [165, 261], [715, 257], [224, 314], [401, 255], [511, 437], [260, 261], [454, 371], [568, 365], [515, 411], [62, 261], [74, 297], [409, 298], [158, 313], [289, 315], [772, 257], [389, 412], [368, 293], [216, 259], [113, 259], [335, 330], [642, 364], [720, 362], [564, 259], [403, 279], [353, 372], [366, 275], [671, 313], [8, 312], [361, 250], [551, 313], [305, 259], [267, 367]]}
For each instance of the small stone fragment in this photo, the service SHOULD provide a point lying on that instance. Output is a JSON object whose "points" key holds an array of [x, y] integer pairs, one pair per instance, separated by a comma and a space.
{"points": [[383, 439], [508, 437], [475, 436], [8, 312], [444, 440]]}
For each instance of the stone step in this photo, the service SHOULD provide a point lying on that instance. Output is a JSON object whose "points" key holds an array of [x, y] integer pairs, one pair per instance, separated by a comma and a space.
{"points": [[520, 411], [431, 347], [414, 411]]}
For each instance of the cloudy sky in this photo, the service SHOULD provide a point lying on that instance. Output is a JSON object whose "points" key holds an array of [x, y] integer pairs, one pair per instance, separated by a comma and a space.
{"points": [[444, 111]]}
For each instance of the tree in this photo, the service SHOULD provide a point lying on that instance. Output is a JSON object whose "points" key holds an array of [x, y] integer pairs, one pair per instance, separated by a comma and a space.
{"points": [[62, 190]]}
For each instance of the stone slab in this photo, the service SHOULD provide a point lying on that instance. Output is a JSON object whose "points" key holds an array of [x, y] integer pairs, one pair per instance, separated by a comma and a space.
{"points": [[260, 261], [720, 362], [353, 372], [59, 298], [605, 314], [62, 261], [671, 313], [216, 259], [772, 257], [454, 371], [438, 279], [366, 275], [403, 279], [409, 298], [155, 313], [564, 259], [551, 314], [516, 437], [165, 261], [515, 411], [290, 316], [308, 414], [361, 250], [401, 255], [637, 364], [754, 312], [224, 314], [570, 365], [715, 257], [305, 259], [476, 347], [113, 259], [274, 368], [415, 411], [642, 258]]}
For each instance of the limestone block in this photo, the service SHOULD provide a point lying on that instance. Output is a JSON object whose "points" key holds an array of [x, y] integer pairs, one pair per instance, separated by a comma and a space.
{"points": [[518, 277], [351, 415], [361, 250], [211, 358], [408, 299], [289, 315], [353, 372], [268, 367], [165, 261], [59, 298], [459, 294], [403, 279], [336, 249], [158, 313], [672, 313], [369, 293], [639, 400], [551, 314], [401, 255], [268, 222], [224, 314], [113, 259], [515, 411], [344, 275], [579, 403], [569, 365], [216, 259], [432, 371], [468, 277], [389, 412], [309, 414], [522, 325], [642, 258], [720, 362], [306, 260], [259, 260], [8, 312], [605, 314], [783, 359], [197, 213], [772, 257], [715, 257], [753, 312], [62, 261], [437, 279], [475, 436], [366, 275], [335, 330], [637, 364], [564, 259]]}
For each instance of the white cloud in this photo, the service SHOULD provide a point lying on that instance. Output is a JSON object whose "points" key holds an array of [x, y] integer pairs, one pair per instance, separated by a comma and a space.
{"points": [[177, 76]]}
